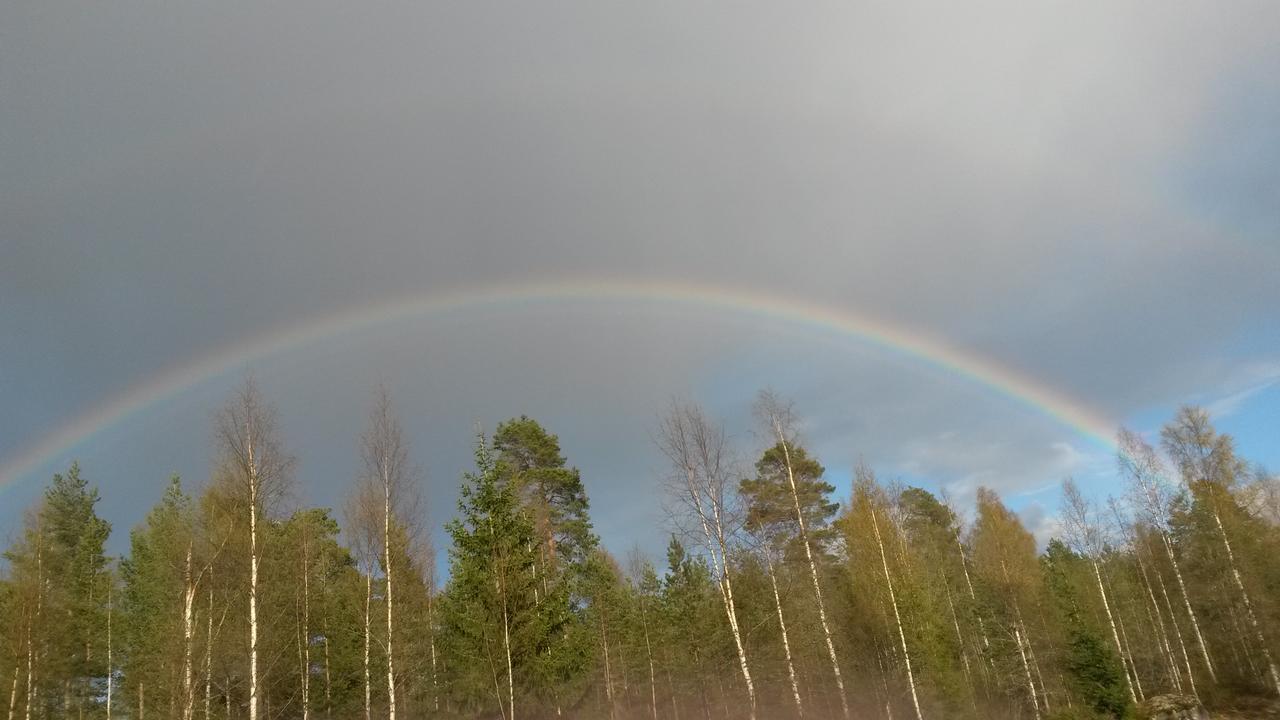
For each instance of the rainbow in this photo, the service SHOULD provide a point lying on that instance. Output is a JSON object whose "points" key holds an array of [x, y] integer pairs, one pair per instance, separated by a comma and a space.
{"points": [[930, 351]]}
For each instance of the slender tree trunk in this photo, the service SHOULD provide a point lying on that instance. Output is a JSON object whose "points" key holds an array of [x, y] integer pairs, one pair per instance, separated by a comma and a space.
{"points": [[1115, 635], [506, 646], [386, 554], [306, 629], [1128, 654], [368, 598], [973, 597], [1158, 621], [208, 653], [431, 641], [1186, 600], [721, 565], [1248, 605], [1035, 664], [675, 702], [608, 670], [31, 676], [328, 681], [1026, 670], [964, 650], [893, 600], [111, 675], [13, 692], [142, 700], [1246, 649], [648, 652], [188, 639], [1177, 631], [813, 572], [253, 577], [786, 643], [884, 680]]}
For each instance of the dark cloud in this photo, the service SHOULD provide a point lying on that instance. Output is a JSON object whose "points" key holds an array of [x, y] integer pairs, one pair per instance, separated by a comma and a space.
{"points": [[1042, 185]]}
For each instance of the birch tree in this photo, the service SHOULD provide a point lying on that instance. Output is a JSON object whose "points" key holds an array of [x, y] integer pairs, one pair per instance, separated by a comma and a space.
{"points": [[1209, 467], [1085, 534], [866, 499], [1004, 560], [390, 484], [779, 419], [1151, 496], [259, 471], [702, 471]]}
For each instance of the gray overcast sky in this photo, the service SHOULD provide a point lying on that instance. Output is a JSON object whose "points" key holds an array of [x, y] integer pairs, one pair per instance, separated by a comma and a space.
{"points": [[1087, 194]]}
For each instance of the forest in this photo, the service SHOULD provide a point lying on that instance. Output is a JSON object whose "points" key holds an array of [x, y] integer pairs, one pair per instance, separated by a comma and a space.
{"points": [[775, 598]]}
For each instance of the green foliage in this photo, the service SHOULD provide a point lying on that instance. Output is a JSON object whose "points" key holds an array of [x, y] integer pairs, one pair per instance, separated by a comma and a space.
{"points": [[1096, 674], [994, 627], [496, 612]]}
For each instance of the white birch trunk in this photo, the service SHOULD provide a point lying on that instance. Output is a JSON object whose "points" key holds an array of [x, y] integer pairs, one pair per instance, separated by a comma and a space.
{"points": [[1186, 600], [1128, 649], [716, 546], [964, 650], [31, 676], [306, 630], [253, 578], [368, 598], [786, 643], [13, 692], [1026, 670], [1158, 619], [328, 682], [1035, 664], [1177, 631], [648, 651], [208, 654], [111, 676], [386, 554], [893, 600], [431, 638], [1115, 635], [813, 572], [188, 638], [1248, 606], [973, 597], [608, 671], [506, 646]]}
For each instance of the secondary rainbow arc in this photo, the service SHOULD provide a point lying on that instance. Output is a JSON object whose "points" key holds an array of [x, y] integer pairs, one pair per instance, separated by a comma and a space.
{"points": [[896, 338]]}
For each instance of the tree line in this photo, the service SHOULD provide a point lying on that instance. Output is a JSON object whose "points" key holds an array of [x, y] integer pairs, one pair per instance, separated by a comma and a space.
{"points": [[775, 599]]}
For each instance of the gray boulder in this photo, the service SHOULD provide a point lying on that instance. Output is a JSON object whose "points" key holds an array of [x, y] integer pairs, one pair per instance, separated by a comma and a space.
{"points": [[1172, 707]]}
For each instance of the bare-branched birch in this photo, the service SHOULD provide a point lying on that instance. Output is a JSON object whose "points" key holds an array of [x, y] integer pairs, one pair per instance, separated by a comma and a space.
{"points": [[893, 600], [260, 472], [702, 472], [638, 567], [1150, 493], [1126, 530], [1087, 539], [779, 418], [1208, 460], [388, 509]]}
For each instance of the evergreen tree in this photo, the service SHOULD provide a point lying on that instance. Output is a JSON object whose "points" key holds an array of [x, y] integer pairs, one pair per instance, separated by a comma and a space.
{"points": [[1096, 674], [498, 616]]}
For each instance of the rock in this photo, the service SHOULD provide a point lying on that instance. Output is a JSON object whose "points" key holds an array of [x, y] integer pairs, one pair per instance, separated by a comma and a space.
{"points": [[1172, 707]]}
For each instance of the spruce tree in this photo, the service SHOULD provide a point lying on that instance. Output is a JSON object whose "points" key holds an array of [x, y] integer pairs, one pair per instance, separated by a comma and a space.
{"points": [[1096, 675], [499, 618]]}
